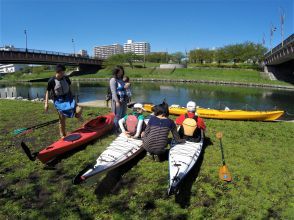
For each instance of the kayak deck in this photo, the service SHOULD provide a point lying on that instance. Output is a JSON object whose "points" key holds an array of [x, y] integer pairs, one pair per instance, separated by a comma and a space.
{"points": [[121, 150], [88, 132], [226, 114], [182, 157]]}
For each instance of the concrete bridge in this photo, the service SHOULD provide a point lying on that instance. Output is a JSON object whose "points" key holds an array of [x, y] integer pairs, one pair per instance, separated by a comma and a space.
{"points": [[24, 56], [280, 60]]}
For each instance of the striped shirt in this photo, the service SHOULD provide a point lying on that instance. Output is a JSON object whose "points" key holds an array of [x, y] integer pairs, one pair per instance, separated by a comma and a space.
{"points": [[156, 134]]}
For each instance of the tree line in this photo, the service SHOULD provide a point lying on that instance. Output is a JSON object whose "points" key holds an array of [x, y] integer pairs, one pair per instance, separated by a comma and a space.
{"points": [[235, 53]]}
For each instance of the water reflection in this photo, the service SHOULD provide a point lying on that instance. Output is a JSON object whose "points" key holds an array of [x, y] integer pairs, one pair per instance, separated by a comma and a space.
{"points": [[209, 96]]}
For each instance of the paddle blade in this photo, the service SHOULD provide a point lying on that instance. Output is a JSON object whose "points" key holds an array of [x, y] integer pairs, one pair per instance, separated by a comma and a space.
{"points": [[19, 131], [219, 135], [224, 174]]}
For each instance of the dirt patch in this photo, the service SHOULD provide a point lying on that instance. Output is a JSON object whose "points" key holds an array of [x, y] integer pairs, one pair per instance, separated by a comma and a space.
{"points": [[272, 214], [121, 206], [39, 199], [149, 205], [208, 202], [33, 177], [247, 182]]}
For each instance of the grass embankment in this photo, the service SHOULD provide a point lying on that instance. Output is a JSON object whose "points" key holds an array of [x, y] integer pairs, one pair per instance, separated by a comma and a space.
{"points": [[259, 156], [212, 74]]}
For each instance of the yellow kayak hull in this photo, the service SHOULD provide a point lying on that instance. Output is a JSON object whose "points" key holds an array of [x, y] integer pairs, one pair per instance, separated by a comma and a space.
{"points": [[225, 114]]}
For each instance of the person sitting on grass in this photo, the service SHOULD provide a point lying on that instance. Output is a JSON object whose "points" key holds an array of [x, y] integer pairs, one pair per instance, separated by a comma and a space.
{"points": [[132, 125], [191, 125], [155, 139]]}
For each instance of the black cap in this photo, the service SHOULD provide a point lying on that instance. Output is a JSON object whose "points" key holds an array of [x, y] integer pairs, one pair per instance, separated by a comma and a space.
{"points": [[59, 68]]}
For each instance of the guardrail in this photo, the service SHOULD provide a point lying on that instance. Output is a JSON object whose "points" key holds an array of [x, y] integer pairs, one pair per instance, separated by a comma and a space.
{"points": [[289, 40], [24, 50]]}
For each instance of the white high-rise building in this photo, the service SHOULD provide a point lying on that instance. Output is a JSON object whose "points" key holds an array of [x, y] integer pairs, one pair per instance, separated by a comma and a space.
{"points": [[83, 53], [106, 51], [140, 48]]}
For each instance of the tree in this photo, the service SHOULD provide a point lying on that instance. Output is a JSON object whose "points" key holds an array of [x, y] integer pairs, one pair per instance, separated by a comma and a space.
{"points": [[240, 52], [201, 55], [123, 58], [177, 57], [157, 57]]}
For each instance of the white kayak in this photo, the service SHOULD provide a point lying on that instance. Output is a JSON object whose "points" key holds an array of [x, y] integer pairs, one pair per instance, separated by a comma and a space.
{"points": [[182, 157], [121, 150]]}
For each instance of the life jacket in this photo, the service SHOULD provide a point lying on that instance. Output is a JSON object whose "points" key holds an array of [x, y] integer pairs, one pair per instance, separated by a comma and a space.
{"points": [[131, 123], [120, 89], [189, 125]]}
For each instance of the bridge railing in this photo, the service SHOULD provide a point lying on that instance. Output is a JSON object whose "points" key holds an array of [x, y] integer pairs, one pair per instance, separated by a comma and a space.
{"points": [[287, 41], [45, 52]]}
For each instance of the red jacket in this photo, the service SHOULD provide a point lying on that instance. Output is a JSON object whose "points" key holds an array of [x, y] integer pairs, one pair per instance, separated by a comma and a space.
{"points": [[200, 122]]}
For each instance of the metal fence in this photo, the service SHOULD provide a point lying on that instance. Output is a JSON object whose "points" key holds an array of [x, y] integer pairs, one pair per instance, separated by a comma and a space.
{"points": [[24, 50], [289, 40]]}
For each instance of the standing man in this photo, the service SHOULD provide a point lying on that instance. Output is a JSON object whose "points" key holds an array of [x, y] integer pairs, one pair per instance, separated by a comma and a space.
{"points": [[58, 88]]}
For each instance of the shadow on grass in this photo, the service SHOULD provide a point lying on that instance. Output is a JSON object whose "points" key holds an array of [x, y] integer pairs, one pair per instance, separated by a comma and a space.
{"points": [[113, 181], [183, 195]]}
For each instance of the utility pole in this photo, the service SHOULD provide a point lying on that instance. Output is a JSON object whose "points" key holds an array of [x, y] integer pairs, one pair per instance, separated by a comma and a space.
{"points": [[73, 44], [273, 29], [282, 19], [25, 32]]}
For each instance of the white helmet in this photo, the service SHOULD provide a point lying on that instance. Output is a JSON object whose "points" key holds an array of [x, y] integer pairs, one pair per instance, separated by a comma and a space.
{"points": [[139, 105], [191, 106]]}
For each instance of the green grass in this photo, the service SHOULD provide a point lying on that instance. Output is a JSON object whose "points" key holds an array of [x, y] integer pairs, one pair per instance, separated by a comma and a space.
{"points": [[213, 74], [258, 154]]}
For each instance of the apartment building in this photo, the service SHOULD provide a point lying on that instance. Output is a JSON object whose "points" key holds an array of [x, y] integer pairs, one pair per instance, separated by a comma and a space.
{"points": [[139, 48], [103, 52], [83, 53]]}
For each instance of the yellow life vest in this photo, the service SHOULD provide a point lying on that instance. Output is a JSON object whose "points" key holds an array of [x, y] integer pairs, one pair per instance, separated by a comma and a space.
{"points": [[189, 126]]}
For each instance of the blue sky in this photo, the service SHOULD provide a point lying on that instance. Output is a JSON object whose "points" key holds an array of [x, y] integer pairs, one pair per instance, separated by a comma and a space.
{"points": [[171, 26]]}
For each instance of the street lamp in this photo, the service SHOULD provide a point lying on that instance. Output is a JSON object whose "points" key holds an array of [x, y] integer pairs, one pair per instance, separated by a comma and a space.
{"points": [[25, 32], [73, 44]]}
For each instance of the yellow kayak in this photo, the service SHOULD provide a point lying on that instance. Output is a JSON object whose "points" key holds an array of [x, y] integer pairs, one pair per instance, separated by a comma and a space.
{"points": [[225, 114]]}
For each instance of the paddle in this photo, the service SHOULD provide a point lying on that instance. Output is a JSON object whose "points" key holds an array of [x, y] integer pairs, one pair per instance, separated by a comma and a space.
{"points": [[224, 173], [31, 156], [21, 130]]}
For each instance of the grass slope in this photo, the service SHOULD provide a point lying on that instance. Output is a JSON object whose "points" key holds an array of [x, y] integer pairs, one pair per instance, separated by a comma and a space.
{"points": [[213, 74], [259, 156]]}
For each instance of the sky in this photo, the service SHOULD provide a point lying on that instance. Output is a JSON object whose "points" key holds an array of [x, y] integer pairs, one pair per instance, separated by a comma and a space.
{"points": [[168, 25]]}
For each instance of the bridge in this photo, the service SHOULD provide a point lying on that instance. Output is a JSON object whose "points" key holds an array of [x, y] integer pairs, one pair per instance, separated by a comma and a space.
{"points": [[28, 56], [280, 60]]}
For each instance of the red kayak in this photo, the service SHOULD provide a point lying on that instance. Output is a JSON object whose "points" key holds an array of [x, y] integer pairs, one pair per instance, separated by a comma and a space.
{"points": [[90, 131]]}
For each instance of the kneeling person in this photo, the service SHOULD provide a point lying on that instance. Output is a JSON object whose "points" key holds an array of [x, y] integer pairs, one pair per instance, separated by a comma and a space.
{"points": [[132, 125], [191, 125]]}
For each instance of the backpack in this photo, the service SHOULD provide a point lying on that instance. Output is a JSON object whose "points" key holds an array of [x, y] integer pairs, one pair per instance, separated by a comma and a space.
{"points": [[189, 125], [131, 124]]}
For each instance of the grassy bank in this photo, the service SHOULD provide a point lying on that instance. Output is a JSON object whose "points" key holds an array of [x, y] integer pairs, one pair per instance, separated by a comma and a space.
{"points": [[214, 74], [258, 155]]}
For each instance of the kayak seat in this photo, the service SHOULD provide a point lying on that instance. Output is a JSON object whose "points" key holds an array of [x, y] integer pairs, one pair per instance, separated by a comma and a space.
{"points": [[72, 137], [96, 123]]}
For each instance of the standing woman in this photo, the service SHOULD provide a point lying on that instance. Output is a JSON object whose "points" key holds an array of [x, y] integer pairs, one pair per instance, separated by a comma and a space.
{"points": [[58, 88], [118, 94]]}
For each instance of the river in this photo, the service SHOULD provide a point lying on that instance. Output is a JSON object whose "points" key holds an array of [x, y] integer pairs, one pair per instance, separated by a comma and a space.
{"points": [[208, 96]]}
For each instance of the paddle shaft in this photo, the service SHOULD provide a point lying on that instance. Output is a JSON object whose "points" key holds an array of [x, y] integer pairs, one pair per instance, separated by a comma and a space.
{"points": [[20, 130], [43, 124], [222, 150]]}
